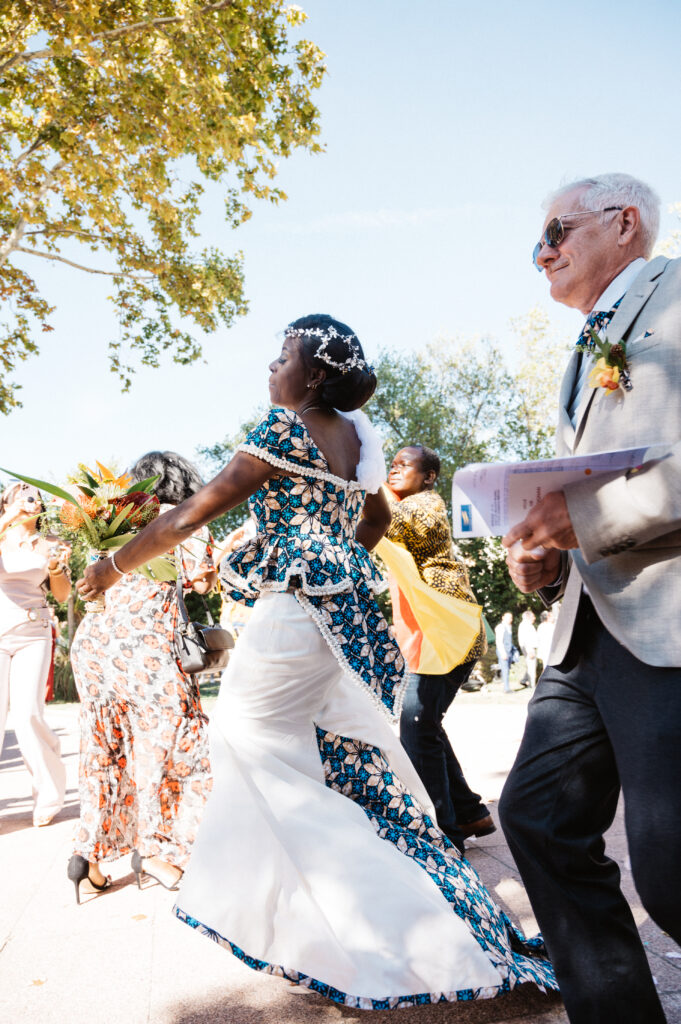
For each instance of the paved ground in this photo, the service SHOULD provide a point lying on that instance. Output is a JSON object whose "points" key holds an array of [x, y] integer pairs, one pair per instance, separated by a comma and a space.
{"points": [[122, 959]]}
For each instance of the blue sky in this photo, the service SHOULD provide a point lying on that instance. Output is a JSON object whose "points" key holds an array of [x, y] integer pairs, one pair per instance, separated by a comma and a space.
{"points": [[445, 124]]}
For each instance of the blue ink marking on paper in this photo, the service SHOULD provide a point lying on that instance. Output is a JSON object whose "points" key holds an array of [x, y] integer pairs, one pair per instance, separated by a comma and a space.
{"points": [[466, 518]]}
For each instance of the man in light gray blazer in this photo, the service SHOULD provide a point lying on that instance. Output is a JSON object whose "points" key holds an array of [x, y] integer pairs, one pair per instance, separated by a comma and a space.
{"points": [[606, 714]]}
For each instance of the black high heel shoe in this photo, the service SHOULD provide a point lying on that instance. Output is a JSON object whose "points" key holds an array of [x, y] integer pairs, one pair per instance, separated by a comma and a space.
{"points": [[140, 872], [79, 871]]}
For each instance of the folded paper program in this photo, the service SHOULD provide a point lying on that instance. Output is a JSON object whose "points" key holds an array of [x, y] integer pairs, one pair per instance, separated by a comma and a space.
{"points": [[489, 498]]}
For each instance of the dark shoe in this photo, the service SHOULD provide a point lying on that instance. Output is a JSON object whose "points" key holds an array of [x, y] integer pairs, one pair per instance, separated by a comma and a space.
{"points": [[79, 873], [137, 862], [482, 827]]}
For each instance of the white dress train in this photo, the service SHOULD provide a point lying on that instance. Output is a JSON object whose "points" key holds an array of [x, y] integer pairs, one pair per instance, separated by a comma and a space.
{"points": [[319, 858], [290, 871]]}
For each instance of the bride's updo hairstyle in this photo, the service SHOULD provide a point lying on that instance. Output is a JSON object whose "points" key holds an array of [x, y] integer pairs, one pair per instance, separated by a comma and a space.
{"points": [[330, 345]]}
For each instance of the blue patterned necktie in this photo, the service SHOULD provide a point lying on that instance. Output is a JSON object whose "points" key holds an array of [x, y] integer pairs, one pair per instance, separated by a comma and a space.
{"points": [[585, 346], [595, 321]]}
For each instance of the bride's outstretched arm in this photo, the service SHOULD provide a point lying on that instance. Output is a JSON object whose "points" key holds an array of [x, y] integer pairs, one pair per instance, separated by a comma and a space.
{"points": [[237, 481], [374, 522]]}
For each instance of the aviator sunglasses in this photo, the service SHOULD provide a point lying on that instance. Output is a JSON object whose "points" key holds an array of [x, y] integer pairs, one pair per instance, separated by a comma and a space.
{"points": [[555, 231]]}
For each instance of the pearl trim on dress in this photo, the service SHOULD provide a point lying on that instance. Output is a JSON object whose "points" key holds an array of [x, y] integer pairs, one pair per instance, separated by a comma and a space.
{"points": [[337, 651]]}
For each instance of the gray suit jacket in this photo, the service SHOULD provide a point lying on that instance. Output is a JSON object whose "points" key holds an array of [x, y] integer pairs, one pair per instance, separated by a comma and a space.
{"points": [[629, 525]]}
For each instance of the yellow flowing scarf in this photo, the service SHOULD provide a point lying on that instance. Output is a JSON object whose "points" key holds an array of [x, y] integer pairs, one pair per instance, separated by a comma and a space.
{"points": [[435, 631]]}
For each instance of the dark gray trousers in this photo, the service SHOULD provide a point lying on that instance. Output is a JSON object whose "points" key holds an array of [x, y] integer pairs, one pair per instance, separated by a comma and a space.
{"points": [[599, 721]]}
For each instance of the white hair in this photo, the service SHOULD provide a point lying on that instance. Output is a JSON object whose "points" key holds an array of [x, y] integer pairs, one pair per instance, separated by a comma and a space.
{"points": [[617, 190]]}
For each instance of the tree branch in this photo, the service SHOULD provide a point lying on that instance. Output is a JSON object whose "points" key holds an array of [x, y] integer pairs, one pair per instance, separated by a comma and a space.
{"points": [[79, 266], [56, 230], [27, 152], [15, 236], [116, 33]]}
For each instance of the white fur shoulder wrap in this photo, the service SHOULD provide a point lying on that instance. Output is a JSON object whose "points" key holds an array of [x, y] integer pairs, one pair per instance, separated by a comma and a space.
{"points": [[371, 471]]}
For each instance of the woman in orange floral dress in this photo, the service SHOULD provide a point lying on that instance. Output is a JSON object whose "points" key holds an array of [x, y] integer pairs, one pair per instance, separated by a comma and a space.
{"points": [[144, 764]]}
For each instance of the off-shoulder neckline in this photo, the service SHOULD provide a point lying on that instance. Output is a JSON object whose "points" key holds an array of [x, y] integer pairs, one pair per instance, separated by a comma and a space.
{"points": [[333, 476]]}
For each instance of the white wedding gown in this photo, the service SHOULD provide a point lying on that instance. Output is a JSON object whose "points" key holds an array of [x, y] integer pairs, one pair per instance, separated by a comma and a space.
{"points": [[318, 857]]}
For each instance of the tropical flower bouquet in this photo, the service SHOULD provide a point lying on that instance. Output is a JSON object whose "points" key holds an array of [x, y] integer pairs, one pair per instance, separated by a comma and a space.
{"points": [[106, 511]]}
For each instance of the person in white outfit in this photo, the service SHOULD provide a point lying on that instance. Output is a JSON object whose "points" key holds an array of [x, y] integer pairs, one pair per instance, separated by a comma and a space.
{"points": [[28, 563], [527, 642], [545, 629]]}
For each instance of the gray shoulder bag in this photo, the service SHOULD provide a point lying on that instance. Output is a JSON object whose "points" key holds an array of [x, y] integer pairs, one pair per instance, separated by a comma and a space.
{"points": [[199, 647]]}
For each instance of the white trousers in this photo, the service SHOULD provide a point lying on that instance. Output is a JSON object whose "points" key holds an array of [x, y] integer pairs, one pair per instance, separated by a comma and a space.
{"points": [[25, 653]]}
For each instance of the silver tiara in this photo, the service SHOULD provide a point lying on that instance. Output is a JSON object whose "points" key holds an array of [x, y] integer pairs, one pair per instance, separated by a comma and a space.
{"points": [[326, 335]]}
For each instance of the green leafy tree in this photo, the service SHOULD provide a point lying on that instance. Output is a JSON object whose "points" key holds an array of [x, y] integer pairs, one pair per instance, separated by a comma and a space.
{"points": [[540, 359], [115, 117], [451, 396]]}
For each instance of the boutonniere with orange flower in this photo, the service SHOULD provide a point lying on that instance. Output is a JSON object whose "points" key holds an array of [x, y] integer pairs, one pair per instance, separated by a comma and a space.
{"points": [[611, 371]]}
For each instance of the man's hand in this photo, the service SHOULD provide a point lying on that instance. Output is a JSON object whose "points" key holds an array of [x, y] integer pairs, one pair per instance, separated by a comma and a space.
{"points": [[548, 525], [534, 545], [531, 570]]}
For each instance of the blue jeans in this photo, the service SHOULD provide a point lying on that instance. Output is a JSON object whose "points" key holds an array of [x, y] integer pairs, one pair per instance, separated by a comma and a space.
{"points": [[505, 668], [425, 703]]}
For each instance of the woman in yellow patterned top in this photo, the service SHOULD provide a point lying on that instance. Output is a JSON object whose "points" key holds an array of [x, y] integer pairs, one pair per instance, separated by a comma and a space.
{"points": [[419, 523]]}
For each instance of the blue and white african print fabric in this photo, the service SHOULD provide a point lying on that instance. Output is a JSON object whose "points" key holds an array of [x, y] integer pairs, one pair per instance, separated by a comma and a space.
{"points": [[362, 773], [305, 543]]}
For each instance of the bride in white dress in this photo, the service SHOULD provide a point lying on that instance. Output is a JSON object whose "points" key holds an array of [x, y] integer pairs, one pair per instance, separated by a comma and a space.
{"points": [[319, 857]]}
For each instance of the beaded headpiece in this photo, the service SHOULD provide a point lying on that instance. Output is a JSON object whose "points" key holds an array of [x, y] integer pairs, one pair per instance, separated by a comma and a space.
{"points": [[326, 335]]}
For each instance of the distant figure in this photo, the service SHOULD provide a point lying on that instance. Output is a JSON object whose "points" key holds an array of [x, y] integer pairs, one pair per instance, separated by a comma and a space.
{"points": [[527, 642], [503, 638], [545, 636]]}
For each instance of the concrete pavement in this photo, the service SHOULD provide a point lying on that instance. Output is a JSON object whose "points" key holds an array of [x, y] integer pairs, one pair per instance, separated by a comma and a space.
{"points": [[121, 958]]}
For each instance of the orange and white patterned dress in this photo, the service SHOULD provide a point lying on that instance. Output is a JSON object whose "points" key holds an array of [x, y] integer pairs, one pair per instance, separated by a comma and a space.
{"points": [[144, 763]]}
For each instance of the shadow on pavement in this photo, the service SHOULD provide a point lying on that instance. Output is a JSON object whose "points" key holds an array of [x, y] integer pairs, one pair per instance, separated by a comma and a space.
{"points": [[16, 813], [526, 1003], [11, 755]]}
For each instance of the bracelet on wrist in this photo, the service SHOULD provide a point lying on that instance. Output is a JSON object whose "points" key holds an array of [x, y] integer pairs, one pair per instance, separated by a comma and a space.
{"points": [[112, 557]]}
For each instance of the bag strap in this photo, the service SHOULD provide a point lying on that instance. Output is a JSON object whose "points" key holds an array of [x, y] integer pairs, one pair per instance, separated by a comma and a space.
{"points": [[179, 589]]}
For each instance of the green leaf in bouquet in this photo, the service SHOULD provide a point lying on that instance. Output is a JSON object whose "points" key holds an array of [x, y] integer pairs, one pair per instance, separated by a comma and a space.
{"points": [[144, 485], [86, 490], [122, 515], [114, 543], [90, 529], [88, 476], [42, 485], [163, 569], [159, 569]]}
